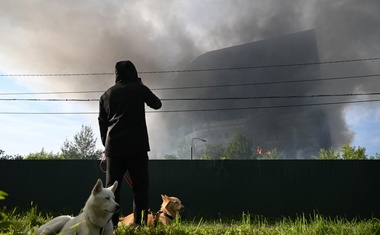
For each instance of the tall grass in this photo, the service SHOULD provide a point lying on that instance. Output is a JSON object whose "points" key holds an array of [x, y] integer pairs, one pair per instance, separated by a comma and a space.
{"points": [[261, 226], [12, 222]]}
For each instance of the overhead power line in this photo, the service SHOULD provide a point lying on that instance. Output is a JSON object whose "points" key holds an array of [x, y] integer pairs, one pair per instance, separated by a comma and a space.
{"points": [[203, 110], [267, 107], [204, 99], [196, 70], [50, 92], [201, 87], [274, 82]]}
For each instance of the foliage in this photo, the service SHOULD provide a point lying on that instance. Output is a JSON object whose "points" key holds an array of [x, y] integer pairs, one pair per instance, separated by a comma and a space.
{"points": [[350, 153], [14, 223], [376, 157], [270, 155], [170, 157], [4, 156], [212, 152], [346, 152], [3, 195], [238, 148], [82, 147], [43, 155], [183, 152]]}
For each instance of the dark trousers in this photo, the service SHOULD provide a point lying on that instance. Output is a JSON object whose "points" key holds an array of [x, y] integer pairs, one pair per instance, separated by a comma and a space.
{"points": [[137, 167]]}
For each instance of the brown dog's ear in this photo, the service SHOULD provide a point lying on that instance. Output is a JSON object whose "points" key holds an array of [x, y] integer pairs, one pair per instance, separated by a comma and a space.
{"points": [[164, 197]]}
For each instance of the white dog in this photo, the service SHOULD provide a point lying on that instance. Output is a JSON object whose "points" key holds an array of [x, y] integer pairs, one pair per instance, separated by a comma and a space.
{"points": [[95, 218]]}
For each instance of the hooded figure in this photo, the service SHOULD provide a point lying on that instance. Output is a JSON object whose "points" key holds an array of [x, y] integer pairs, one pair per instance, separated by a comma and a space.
{"points": [[122, 112], [124, 134], [125, 71]]}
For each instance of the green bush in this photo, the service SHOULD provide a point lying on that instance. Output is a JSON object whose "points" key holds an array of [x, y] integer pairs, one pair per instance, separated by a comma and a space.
{"points": [[346, 152], [3, 195]]}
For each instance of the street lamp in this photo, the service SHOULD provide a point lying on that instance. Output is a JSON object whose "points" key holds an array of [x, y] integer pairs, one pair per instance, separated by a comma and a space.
{"points": [[191, 147]]}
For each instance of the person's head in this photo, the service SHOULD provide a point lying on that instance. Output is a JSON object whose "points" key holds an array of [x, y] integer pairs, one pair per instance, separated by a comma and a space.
{"points": [[125, 71]]}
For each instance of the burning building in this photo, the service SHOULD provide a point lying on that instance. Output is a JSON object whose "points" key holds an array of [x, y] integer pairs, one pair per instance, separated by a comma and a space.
{"points": [[264, 89]]}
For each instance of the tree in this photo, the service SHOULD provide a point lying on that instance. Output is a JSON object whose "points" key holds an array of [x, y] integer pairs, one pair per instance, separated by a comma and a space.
{"points": [[43, 155], [269, 155], [238, 148], [183, 151], [346, 152], [376, 157], [212, 152], [4, 156], [82, 147], [351, 153], [170, 157]]}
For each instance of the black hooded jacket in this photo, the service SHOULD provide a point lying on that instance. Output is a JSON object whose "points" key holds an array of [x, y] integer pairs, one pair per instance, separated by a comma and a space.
{"points": [[122, 113]]}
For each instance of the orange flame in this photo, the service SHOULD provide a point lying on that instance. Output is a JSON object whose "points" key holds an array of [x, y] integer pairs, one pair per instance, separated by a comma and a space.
{"points": [[259, 150]]}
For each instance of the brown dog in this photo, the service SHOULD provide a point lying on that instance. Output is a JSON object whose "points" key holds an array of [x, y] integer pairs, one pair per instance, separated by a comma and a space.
{"points": [[170, 209]]}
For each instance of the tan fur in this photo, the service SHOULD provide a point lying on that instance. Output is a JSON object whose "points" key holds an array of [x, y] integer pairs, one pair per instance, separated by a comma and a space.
{"points": [[170, 205]]}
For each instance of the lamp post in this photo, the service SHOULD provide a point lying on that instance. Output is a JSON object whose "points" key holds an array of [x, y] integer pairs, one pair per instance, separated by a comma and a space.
{"points": [[191, 147]]}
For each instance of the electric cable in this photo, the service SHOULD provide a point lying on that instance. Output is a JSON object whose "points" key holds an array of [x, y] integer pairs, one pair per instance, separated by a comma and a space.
{"points": [[197, 70], [206, 110], [204, 99], [202, 87]]}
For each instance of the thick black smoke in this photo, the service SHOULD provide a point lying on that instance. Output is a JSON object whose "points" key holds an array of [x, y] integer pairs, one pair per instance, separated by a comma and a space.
{"points": [[272, 109]]}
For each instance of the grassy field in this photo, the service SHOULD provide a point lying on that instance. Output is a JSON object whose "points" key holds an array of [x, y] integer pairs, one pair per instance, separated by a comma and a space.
{"points": [[16, 223]]}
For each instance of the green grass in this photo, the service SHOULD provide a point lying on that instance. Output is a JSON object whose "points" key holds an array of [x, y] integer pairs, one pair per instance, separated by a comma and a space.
{"points": [[12, 222]]}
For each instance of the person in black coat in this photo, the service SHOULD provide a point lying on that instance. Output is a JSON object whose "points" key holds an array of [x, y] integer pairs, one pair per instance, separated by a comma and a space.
{"points": [[124, 135]]}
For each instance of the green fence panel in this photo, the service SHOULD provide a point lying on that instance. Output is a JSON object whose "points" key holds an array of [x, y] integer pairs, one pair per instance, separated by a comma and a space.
{"points": [[271, 188]]}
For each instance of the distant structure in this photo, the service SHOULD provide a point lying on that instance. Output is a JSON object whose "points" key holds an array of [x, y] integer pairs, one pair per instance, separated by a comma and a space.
{"points": [[269, 85]]}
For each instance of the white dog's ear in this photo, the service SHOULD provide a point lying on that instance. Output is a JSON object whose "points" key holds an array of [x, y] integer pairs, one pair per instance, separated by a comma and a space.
{"points": [[114, 186], [98, 187]]}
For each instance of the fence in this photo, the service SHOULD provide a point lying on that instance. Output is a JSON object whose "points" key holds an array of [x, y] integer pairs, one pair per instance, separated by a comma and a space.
{"points": [[271, 188]]}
